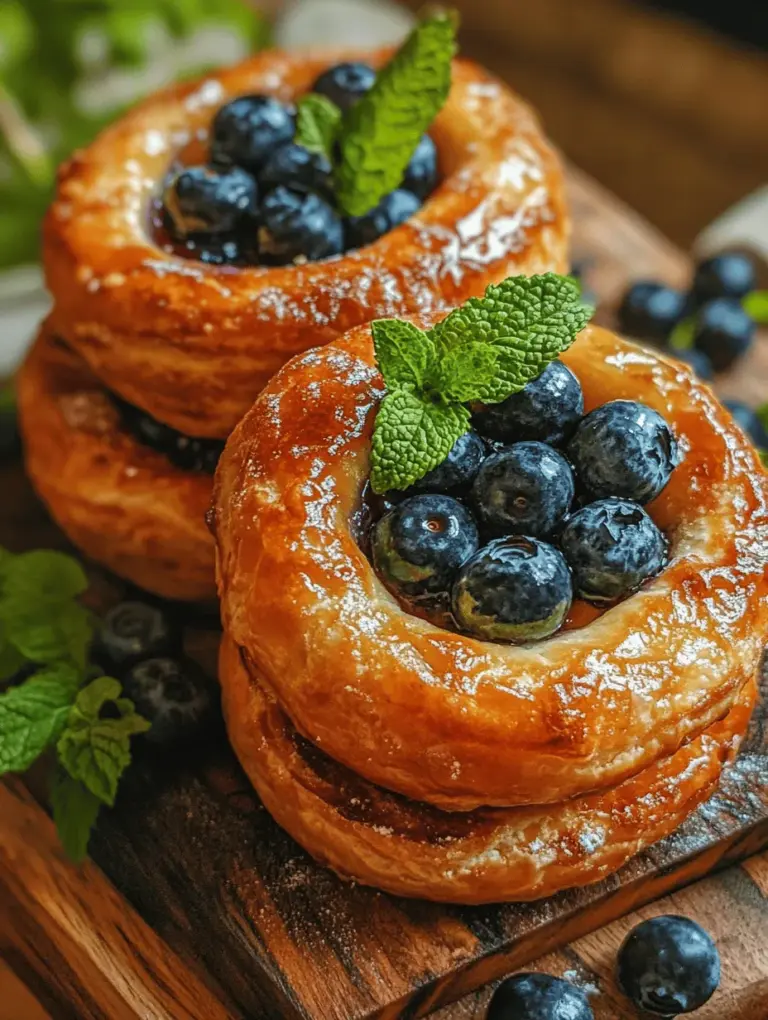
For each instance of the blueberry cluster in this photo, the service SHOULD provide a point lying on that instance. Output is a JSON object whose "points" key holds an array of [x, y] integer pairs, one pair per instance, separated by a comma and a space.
{"points": [[185, 452], [264, 198], [538, 504]]}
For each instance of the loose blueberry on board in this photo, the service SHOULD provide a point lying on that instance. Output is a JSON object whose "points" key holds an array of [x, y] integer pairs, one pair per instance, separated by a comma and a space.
{"points": [[548, 408], [723, 331], [651, 310], [203, 200], [458, 470], [247, 130], [132, 631], [697, 360], [748, 422], [418, 547], [421, 172], [174, 696], [513, 589], [525, 489], [538, 997], [297, 223], [729, 274], [668, 965], [298, 168], [623, 449], [394, 209], [612, 546], [345, 83]]}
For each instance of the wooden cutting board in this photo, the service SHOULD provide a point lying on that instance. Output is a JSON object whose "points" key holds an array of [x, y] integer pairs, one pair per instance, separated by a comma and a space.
{"points": [[198, 906]]}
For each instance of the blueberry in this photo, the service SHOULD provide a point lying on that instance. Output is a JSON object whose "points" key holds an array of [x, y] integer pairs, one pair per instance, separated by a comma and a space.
{"points": [[668, 965], [175, 696], [297, 168], [748, 422], [458, 470], [201, 200], [729, 274], [538, 997], [651, 310], [513, 589], [612, 546], [394, 209], [419, 546], [697, 360], [421, 172], [191, 454], [132, 631], [548, 408], [182, 451], [345, 83], [297, 223], [525, 489], [223, 250], [623, 449], [723, 331], [247, 130]]}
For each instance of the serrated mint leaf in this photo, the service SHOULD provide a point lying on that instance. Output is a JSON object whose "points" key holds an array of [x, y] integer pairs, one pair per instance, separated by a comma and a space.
{"points": [[11, 660], [411, 436], [465, 371], [95, 748], [43, 575], [404, 352], [317, 124], [755, 305], [681, 337], [48, 633], [33, 715], [379, 134], [75, 811]]}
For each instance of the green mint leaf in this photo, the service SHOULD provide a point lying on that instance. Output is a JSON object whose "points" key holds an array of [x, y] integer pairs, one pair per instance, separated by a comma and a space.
{"points": [[681, 337], [529, 321], [11, 660], [33, 715], [756, 306], [44, 575], [403, 351], [412, 435], [46, 633], [75, 810], [465, 371], [94, 749], [317, 124], [379, 134], [762, 414]]}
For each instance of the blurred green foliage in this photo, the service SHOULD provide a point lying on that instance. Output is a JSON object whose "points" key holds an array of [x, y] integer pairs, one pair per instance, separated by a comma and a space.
{"points": [[51, 51]]}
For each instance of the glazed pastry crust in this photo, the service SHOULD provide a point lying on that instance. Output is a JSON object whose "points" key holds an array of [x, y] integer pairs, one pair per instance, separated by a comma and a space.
{"points": [[120, 502], [384, 840], [445, 718], [193, 344]]}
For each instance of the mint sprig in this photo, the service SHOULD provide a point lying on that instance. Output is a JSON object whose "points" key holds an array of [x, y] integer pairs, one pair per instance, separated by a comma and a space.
{"points": [[485, 350], [318, 121], [755, 304]]}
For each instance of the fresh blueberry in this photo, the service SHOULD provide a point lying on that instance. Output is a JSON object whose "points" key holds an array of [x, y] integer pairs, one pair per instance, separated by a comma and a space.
{"points": [[669, 965], [458, 470], [298, 168], [514, 589], [549, 408], [723, 331], [729, 274], [419, 546], [297, 223], [394, 209], [421, 172], [202, 200], [697, 360], [538, 997], [345, 83], [175, 696], [651, 310], [132, 631], [246, 131], [612, 546], [623, 449], [525, 489], [748, 421]]}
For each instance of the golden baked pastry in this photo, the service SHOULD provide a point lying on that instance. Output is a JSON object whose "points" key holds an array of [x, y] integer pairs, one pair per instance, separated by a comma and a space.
{"points": [[445, 718], [192, 344], [122, 503]]}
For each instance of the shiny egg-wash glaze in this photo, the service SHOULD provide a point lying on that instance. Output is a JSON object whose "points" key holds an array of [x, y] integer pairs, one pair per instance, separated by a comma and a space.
{"points": [[442, 717], [192, 344]]}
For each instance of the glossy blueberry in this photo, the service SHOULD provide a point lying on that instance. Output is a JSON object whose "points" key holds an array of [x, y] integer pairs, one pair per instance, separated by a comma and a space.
{"points": [[421, 172], [394, 209], [650, 310], [612, 546], [748, 421], [549, 408], [623, 449], [247, 130], [669, 965], [132, 631], [345, 83], [175, 696], [525, 489], [538, 997], [458, 470], [514, 589], [723, 331], [202, 200], [297, 168], [729, 274], [697, 360], [298, 223], [419, 546]]}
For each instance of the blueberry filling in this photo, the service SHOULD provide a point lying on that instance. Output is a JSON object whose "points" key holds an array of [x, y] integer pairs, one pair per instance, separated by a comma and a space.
{"points": [[188, 453]]}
